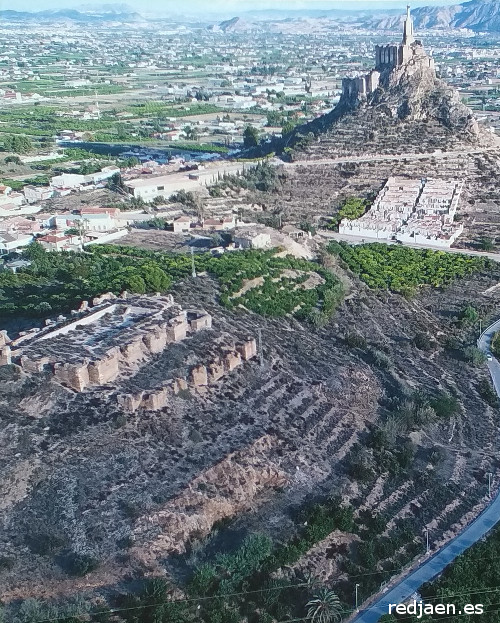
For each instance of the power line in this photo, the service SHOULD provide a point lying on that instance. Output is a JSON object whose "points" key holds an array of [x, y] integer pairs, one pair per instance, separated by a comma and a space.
{"points": [[174, 601], [265, 590]]}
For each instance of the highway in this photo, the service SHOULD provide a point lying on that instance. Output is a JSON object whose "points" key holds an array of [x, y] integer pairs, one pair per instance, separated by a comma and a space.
{"points": [[440, 560]]}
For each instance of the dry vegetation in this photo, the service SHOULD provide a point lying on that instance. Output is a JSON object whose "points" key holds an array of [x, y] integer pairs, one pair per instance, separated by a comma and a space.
{"points": [[83, 486]]}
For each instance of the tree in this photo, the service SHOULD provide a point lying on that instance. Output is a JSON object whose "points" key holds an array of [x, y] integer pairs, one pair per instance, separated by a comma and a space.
{"points": [[324, 607], [287, 128], [155, 279], [474, 356], [190, 133], [115, 183], [445, 405], [18, 143], [468, 315], [250, 137], [352, 208]]}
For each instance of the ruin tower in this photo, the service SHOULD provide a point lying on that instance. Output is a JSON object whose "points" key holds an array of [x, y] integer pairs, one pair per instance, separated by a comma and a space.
{"points": [[408, 33]]}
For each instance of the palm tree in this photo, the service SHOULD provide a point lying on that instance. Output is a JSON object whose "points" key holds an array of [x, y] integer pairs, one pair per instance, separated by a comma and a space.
{"points": [[324, 607]]}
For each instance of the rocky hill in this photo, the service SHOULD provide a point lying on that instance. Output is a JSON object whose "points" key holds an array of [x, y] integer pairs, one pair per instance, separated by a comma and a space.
{"points": [[410, 111], [477, 15]]}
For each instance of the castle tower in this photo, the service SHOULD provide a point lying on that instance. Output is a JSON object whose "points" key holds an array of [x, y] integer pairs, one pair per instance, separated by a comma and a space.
{"points": [[408, 35]]}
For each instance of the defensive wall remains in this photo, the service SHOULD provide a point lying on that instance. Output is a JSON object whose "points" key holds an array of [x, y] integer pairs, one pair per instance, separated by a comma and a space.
{"points": [[200, 376], [115, 336]]}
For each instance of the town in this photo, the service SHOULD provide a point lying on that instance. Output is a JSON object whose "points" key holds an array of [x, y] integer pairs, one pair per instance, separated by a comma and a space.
{"points": [[249, 326]]}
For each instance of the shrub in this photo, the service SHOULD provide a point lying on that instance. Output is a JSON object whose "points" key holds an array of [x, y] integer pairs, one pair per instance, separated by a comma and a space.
{"points": [[495, 344], [423, 342], [6, 564], [474, 356], [487, 392], [380, 359], [445, 405], [82, 564], [486, 244], [355, 340]]}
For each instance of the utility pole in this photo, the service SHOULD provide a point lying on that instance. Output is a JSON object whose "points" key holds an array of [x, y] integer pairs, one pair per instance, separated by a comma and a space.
{"points": [[490, 476], [356, 588], [261, 354], [193, 265], [427, 550]]}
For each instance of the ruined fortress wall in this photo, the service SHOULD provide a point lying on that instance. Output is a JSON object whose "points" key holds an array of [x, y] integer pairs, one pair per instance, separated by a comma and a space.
{"points": [[203, 322], [200, 376], [74, 376], [177, 332], [133, 351], [155, 400], [86, 320], [231, 361], [105, 370], [155, 340], [33, 365], [216, 371], [5, 356], [4, 338], [247, 349]]}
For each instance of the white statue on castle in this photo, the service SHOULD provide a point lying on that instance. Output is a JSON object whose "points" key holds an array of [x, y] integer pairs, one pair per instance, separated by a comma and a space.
{"points": [[408, 36]]}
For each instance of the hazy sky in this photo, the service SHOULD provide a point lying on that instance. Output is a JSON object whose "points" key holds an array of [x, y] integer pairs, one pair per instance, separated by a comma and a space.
{"points": [[232, 7]]}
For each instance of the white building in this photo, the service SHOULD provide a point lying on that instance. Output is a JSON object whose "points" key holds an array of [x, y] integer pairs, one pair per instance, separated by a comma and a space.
{"points": [[252, 239]]}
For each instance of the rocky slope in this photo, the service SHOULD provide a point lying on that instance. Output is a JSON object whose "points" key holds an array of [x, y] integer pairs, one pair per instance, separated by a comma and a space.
{"points": [[411, 111]]}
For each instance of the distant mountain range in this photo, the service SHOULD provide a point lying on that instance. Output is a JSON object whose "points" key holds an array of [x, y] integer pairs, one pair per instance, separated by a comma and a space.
{"points": [[60, 15], [476, 15]]}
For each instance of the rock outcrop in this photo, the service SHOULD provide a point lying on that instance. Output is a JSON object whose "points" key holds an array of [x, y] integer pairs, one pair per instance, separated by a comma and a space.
{"points": [[399, 107]]}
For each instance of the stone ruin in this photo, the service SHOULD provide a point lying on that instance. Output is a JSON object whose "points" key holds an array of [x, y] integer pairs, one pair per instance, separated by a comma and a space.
{"points": [[199, 377], [5, 351], [113, 337]]}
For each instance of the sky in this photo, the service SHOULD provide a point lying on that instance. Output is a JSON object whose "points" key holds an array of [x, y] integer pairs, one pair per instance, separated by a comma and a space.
{"points": [[233, 7]]}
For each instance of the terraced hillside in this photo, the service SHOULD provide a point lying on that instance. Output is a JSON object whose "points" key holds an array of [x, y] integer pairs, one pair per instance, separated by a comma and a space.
{"points": [[401, 429], [313, 191]]}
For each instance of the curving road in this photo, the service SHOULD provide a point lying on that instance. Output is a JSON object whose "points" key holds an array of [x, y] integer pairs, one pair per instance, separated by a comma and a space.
{"points": [[473, 533]]}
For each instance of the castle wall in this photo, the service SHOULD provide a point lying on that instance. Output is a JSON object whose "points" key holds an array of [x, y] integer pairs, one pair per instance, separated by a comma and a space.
{"points": [[4, 338], [33, 365], [155, 400], [216, 371], [74, 376], [105, 370], [134, 350], [199, 376], [156, 339], [179, 385], [130, 402], [5, 356], [248, 349], [203, 322], [86, 320], [231, 361]]}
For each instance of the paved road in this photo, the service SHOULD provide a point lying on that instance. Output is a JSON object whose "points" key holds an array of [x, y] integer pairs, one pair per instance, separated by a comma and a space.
{"points": [[473, 533], [359, 240], [382, 157]]}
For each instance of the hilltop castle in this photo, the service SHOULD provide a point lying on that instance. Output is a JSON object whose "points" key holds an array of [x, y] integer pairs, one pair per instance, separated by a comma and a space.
{"points": [[388, 58]]}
